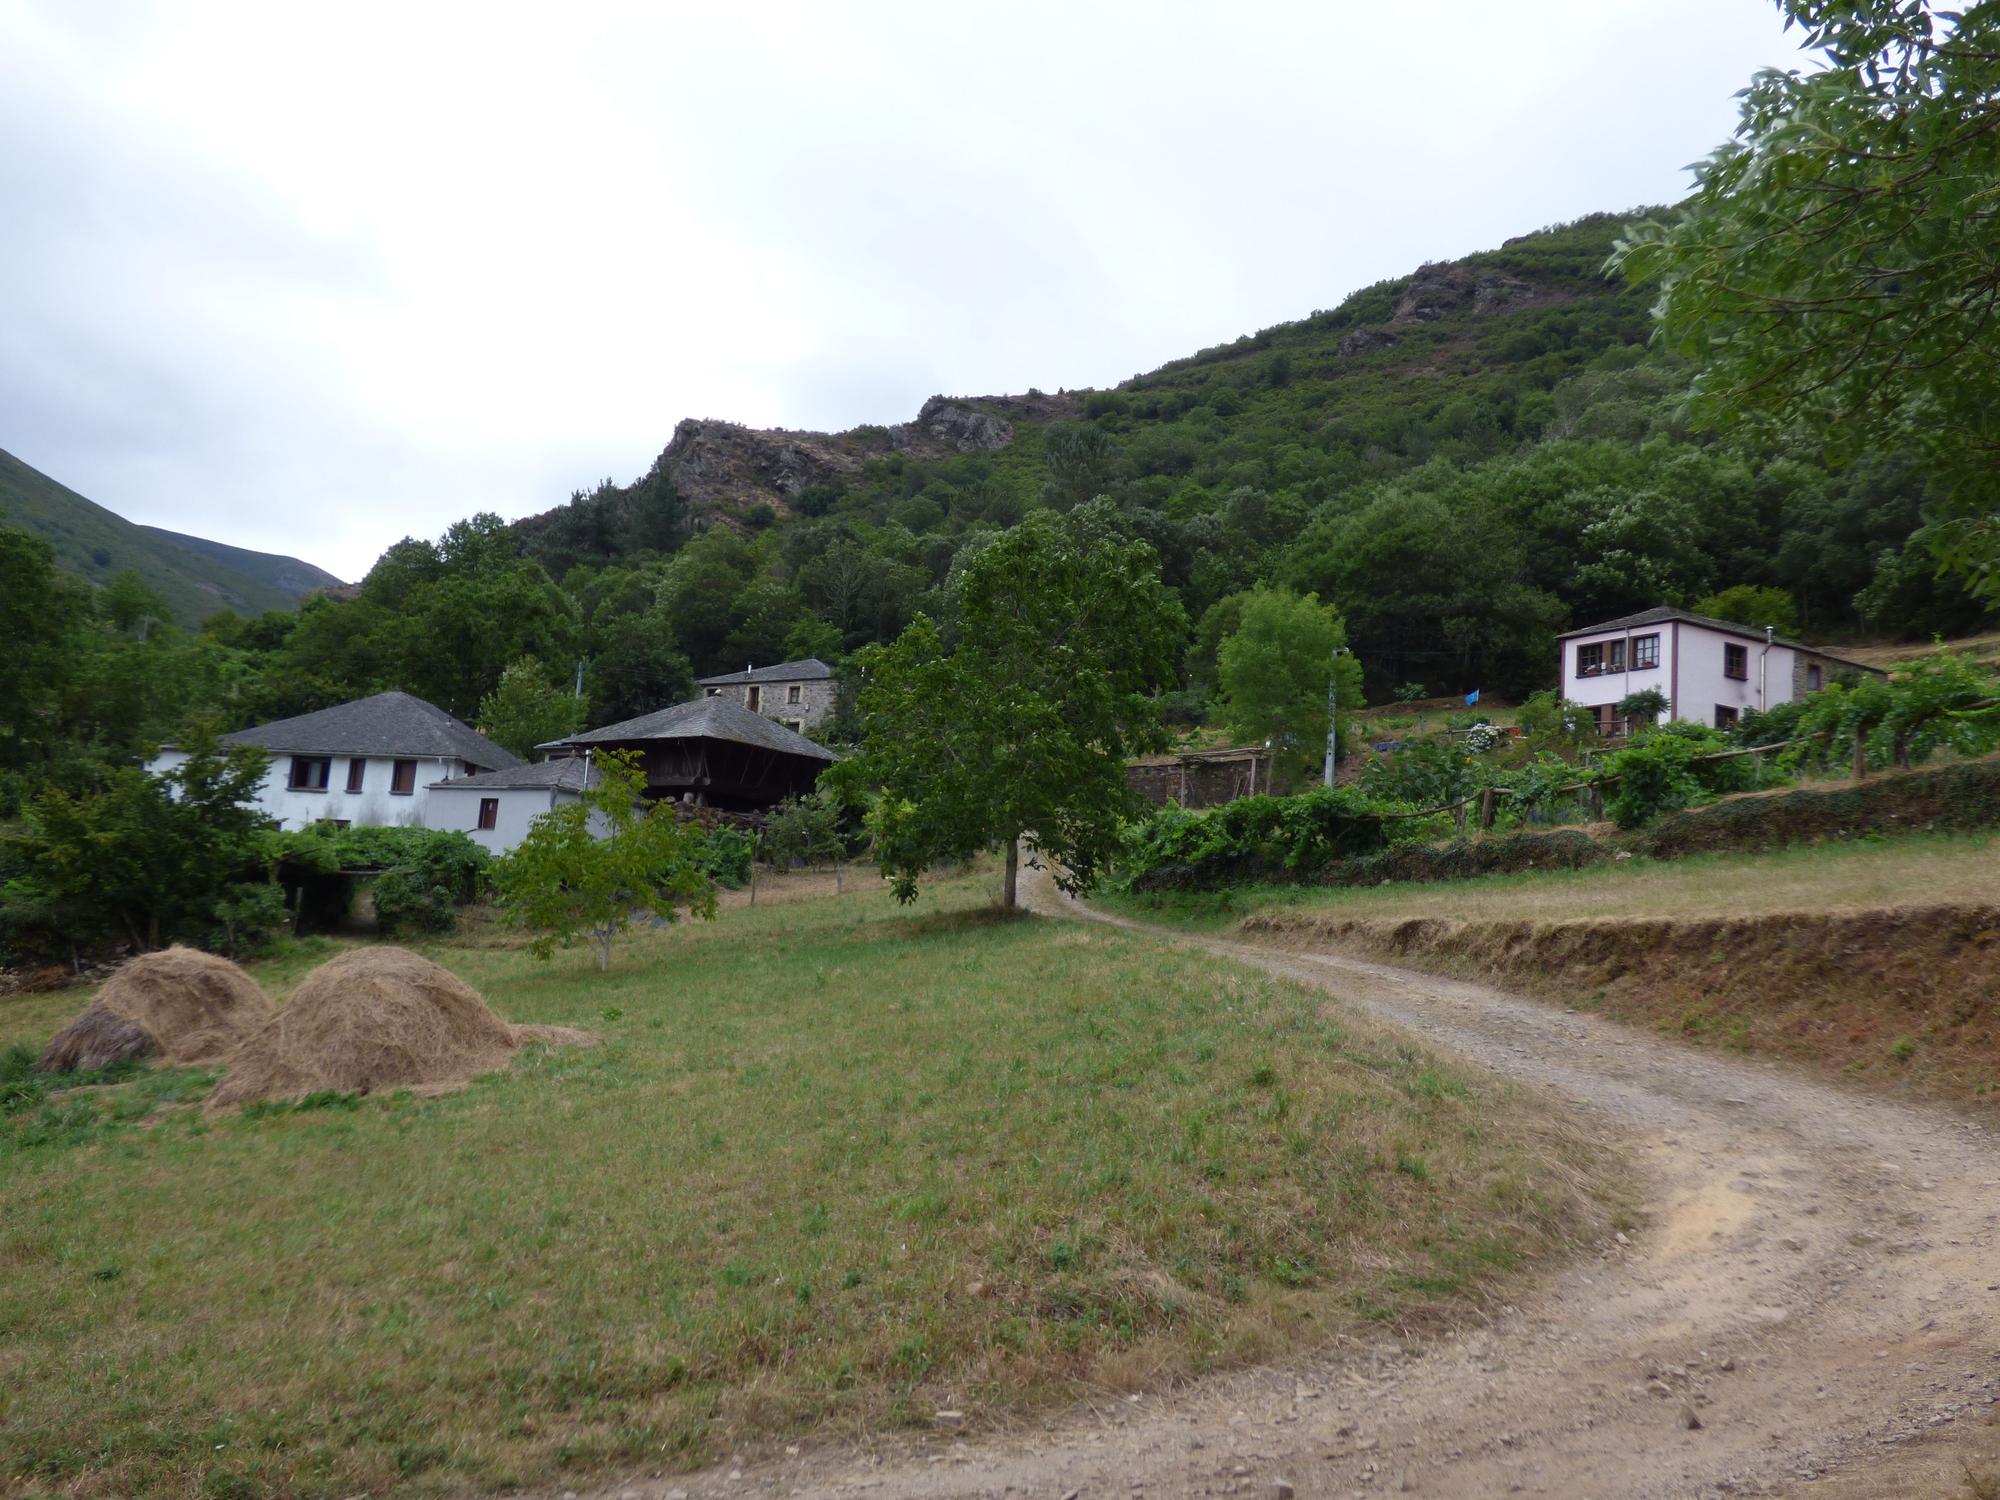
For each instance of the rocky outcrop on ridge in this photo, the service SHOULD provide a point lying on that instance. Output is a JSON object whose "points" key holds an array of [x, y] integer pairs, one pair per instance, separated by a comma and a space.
{"points": [[726, 467]]}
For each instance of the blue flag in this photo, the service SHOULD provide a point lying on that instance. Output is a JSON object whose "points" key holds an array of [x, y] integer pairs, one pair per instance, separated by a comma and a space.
{"points": [[1472, 697]]}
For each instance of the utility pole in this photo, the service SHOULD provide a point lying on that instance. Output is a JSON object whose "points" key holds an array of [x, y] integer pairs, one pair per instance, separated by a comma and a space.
{"points": [[1332, 708]]}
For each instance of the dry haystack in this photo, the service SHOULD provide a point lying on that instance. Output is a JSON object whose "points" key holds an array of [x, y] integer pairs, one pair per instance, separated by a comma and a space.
{"points": [[374, 1019], [183, 1004], [97, 1038]]}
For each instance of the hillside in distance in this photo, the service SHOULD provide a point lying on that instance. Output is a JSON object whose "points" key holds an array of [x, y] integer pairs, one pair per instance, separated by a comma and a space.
{"points": [[1447, 361], [196, 577], [1463, 462]]}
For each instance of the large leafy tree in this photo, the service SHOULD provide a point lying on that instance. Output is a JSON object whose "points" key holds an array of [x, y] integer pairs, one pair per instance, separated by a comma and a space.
{"points": [[41, 612], [1838, 267], [590, 867], [1274, 672], [525, 709], [143, 857], [1064, 633]]}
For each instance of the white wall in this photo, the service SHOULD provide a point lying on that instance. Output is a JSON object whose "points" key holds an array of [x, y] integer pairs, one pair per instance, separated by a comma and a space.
{"points": [[1612, 686], [374, 806], [1703, 686], [1690, 673], [458, 807]]}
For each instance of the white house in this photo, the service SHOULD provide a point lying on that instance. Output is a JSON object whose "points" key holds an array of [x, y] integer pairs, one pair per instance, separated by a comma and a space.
{"points": [[372, 762], [1710, 671], [494, 808]]}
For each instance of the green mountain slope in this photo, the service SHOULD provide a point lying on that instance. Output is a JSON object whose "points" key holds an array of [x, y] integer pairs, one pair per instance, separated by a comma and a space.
{"points": [[1464, 461], [288, 575], [196, 577]]}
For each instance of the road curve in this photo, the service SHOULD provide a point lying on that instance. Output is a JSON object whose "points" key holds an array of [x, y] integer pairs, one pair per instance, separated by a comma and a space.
{"points": [[1815, 1295]]}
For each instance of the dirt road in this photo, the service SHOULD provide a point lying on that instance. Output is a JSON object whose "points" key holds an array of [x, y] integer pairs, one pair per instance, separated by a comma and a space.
{"points": [[1813, 1307]]}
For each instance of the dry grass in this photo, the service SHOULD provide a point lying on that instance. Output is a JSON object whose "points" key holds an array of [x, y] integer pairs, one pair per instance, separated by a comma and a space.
{"points": [[836, 1165], [1867, 874], [1872, 962], [1978, 647]]}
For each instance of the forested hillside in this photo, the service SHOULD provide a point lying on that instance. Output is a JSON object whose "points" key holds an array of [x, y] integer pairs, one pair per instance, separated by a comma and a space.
{"points": [[1463, 462], [191, 576]]}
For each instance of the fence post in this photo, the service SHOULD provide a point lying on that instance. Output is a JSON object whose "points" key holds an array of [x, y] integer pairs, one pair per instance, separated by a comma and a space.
{"points": [[1486, 800], [1458, 816], [1596, 794]]}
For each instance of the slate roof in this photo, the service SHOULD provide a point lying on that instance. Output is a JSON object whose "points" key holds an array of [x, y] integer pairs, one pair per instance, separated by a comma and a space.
{"points": [[1662, 614], [564, 774], [704, 719], [388, 724], [812, 669]]}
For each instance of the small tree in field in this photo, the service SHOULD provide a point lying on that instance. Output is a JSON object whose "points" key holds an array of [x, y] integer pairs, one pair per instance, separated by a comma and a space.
{"points": [[804, 831], [1274, 672], [1064, 632], [588, 868]]}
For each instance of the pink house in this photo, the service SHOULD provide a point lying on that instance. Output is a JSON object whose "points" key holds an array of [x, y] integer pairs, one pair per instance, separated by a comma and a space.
{"points": [[1710, 671]]}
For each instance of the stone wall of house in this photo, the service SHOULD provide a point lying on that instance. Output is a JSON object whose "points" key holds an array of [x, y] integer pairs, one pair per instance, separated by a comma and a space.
{"points": [[815, 705], [1829, 669], [1199, 780]]}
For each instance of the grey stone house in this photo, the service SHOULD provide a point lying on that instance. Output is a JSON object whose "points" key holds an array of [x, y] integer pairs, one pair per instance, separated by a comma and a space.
{"points": [[798, 694]]}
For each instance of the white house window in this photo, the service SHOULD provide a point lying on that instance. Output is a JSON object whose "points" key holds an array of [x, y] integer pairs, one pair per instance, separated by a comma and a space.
{"points": [[1645, 652], [1590, 660], [357, 769], [792, 693], [1725, 716], [489, 812], [310, 773], [404, 782], [1736, 662]]}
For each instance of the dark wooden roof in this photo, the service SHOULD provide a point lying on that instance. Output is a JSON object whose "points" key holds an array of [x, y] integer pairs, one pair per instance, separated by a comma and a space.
{"points": [[812, 669], [703, 719], [388, 724]]}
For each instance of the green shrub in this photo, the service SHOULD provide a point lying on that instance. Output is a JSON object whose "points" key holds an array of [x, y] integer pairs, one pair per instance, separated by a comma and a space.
{"points": [[1259, 838], [723, 855], [249, 919], [1955, 797], [1429, 773], [1665, 770], [425, 873]]}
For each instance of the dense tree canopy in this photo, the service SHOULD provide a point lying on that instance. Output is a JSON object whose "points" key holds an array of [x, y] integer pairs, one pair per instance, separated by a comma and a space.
{"points": [[1838, 268]]}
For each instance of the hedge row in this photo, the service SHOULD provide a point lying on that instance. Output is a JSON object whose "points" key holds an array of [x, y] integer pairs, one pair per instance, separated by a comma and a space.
{"points": [[1950, 798]]}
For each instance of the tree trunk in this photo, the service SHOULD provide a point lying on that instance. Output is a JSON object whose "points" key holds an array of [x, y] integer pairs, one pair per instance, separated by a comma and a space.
{"points": [[604, 951], [1011, 888]]}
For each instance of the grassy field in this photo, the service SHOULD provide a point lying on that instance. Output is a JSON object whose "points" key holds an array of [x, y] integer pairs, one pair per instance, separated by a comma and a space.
{"points": [[835, 1167], [1865, 874]]}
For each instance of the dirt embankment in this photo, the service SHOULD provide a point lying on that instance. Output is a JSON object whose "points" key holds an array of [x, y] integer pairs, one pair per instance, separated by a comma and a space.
{"points": [[1905, 999]]}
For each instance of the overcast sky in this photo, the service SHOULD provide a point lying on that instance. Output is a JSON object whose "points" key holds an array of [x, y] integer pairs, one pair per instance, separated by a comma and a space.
{"points": [[309, 279]]}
